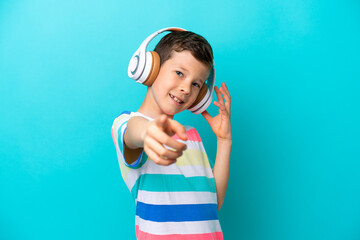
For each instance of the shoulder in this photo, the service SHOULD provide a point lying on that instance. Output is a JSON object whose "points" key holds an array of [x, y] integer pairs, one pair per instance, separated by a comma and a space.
{"points": [[192, 133], [121, 121], [122, 118], [124, 114]]}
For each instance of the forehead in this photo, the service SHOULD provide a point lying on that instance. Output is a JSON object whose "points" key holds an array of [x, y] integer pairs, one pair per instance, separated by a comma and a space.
{"points": [[188, 63]]}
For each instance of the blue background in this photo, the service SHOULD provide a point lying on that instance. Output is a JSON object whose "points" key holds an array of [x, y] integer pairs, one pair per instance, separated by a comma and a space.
{"points": [[292, 68]]}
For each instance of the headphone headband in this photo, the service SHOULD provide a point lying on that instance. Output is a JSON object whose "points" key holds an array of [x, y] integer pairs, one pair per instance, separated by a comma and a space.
{"points": [[138, 59], [146, 42]]}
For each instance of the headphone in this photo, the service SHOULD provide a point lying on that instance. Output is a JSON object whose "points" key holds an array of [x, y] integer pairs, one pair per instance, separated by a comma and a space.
{"points": [[144, 67]]}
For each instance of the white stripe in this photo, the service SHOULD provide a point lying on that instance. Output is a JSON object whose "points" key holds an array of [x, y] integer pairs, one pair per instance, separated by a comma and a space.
{"points": [[122, 133], [191, 227], [132, 176], [174, 198], [186, 170], [141, 115], [191, 145]]}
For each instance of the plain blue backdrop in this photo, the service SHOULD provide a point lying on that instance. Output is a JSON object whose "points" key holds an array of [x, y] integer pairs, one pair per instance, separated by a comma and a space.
{"points": [[292, 68]]}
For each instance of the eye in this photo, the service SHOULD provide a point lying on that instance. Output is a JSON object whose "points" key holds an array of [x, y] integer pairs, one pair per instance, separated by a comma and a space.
{"points": [[197, 85], [179, 73]]}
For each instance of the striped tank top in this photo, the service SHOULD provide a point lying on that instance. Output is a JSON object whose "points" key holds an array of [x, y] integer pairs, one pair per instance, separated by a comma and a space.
{"points": [[172, 202]]}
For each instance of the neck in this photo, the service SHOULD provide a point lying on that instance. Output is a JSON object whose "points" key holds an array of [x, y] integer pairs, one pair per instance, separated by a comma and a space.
{"points": [[150, 108]]}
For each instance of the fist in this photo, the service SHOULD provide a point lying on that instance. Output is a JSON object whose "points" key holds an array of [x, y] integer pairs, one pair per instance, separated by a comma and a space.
{"points": [[159, 134]]}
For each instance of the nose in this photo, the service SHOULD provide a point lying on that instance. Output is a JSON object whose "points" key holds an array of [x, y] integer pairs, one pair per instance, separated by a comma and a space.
{"points": [[185, 88]]}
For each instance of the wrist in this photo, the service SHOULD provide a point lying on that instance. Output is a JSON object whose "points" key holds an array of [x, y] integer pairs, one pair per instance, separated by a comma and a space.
{"points": [[225, 140]]}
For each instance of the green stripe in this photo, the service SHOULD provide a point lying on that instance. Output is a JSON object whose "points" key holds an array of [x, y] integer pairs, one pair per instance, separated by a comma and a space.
{"points": [[173, 183]]}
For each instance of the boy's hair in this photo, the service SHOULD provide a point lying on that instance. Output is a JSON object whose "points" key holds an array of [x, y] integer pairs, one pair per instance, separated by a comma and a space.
{"points": [[185, 40]]}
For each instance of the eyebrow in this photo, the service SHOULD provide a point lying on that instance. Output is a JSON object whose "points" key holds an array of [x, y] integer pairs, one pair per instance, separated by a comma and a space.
{"points": [[184, 69]]}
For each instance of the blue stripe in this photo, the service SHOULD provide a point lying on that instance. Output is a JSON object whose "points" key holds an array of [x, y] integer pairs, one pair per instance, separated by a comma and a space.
{"points": [[176, 213], [125, 112], [121, 137], [121, 140]]}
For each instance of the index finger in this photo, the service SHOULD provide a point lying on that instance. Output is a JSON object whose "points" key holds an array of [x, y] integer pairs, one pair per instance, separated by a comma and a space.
{"points": [[226, 91], [178, 129], [168, 141]]}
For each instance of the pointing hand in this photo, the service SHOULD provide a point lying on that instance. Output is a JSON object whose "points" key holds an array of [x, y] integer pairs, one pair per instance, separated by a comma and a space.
{"points": [[158, 134]]}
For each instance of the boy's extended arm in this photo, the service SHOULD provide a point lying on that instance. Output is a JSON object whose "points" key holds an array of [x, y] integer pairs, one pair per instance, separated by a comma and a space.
{"points": [[151, 136], [134, 134], [221, 169], [134, 138]]}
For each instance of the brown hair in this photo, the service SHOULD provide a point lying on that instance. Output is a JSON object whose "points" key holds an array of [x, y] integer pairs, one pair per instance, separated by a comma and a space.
{"points": [[185, 40]]}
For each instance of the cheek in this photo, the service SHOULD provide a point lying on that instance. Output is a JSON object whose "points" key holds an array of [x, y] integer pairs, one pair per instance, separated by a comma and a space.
{"points": [[160, 81], [193, 97], [159, 89]]}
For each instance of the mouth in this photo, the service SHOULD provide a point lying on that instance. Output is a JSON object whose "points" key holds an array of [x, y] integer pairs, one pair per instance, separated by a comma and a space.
{"points": [[176, 99]]}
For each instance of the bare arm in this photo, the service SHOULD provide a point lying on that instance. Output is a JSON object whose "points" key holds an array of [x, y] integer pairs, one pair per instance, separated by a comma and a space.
{"points": [[134, 138], [221, 126], [221, 169]]}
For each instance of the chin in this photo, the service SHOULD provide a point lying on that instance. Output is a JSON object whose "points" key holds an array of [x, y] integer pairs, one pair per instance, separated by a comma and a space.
{"points": [[172, 112]]}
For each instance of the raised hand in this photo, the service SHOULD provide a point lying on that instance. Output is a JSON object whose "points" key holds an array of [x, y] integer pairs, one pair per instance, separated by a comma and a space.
{"points": [[157, 134], [220, 124]]}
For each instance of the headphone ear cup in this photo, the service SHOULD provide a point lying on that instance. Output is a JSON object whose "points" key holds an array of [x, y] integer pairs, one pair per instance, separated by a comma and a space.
{"points": [[203, 90], [155, 68]]}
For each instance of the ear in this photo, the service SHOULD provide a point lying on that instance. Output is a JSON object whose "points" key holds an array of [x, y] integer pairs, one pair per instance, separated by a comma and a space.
{"points": [[155, 68]]}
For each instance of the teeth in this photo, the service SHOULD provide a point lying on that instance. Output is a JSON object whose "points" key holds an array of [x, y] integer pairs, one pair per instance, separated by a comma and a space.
{"points": [[176, 99]]}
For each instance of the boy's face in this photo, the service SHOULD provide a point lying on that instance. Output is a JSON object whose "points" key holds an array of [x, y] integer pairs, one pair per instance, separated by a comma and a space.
{"points": [[178, 83]]}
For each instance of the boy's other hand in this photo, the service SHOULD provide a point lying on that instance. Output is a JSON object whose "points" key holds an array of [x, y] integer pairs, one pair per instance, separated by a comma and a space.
{"points": [[220, 124], [159, 133]]}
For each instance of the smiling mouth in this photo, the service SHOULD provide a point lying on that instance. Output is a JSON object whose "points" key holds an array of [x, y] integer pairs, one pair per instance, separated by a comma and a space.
{"points": [[176, 99]]}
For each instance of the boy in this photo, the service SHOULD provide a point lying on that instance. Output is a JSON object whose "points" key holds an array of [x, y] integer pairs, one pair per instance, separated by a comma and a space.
{"points": [[164, 163]]}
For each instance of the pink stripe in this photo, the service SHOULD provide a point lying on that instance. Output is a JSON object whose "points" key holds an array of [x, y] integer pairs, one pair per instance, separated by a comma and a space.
{"points": [[113, 137], [140, 235], [192, 134]]}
